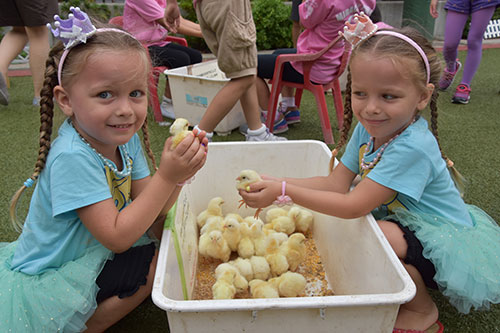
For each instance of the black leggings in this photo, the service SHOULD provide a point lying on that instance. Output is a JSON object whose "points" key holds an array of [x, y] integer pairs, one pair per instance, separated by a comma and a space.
{"points": [[174, 55], [266, 62]]}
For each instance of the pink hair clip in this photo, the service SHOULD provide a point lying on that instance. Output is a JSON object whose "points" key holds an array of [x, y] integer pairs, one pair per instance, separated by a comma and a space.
{"points": [[362, 29]]}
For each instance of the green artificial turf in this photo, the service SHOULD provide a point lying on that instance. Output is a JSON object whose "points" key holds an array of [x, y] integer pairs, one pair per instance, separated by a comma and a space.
{"points": [[468, 134]]}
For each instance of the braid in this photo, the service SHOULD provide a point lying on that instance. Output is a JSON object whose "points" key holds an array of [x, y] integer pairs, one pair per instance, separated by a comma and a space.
{"points": [[346, 127], [46, 120], [457, 177], [147, 144]]}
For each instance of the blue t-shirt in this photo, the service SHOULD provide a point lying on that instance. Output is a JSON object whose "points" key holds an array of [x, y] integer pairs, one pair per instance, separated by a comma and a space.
{"points": [[74, 176], [413, 167]]}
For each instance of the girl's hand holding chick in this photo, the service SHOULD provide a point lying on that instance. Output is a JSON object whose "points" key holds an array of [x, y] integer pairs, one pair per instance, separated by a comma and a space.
{"points": [[263, 193], [182, 163]]}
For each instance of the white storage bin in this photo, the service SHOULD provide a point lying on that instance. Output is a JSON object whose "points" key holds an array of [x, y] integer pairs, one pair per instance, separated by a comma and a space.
{"points": [[366, 277], [193, 89]]}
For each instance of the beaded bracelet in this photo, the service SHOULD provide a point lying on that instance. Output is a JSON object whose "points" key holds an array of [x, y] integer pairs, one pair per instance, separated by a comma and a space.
{"points": [[283, 199]]}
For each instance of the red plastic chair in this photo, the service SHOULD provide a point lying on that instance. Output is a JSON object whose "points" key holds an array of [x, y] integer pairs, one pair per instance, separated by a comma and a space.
{"points": [[318, 90], [154, 99]]}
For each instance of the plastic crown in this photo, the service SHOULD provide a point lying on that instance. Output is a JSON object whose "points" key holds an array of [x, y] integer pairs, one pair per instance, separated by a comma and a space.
{"points": [[74, 30], [361, 29]]}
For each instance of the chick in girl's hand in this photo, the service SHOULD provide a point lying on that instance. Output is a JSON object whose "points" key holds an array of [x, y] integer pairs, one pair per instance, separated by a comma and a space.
{"points": [[260, 267], [214, 208], [263, 289], [213, 245], [179, 129], [239, 281], [290, 284], [243, 182], [302, 217], [231, 232], [294, 250], [224, 288]]}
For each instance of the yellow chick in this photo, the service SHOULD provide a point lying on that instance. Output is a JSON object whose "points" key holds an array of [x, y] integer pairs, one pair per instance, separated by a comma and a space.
{"points": [[259, 239], [274, 212], [246, 178], [179, 129], [290, 284], [277, 261], [239, 281], [243, 182], [263, 289], [231, 232], [213, 223], [214, 208], [260, 267], [215, 247], [249, 220], [283, 224], [244, 267], [303, 218], [280, 237], [235, 216], [246, 249], [224, 288], [294, 250]]}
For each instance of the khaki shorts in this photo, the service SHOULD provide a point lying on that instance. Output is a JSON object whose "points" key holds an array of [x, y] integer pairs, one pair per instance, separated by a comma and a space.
{"points": [[229, 31]]}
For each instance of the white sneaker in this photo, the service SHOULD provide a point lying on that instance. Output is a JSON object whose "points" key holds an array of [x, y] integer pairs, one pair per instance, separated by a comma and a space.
{"points": [[4, 94], [264, 136], [167, 108]]}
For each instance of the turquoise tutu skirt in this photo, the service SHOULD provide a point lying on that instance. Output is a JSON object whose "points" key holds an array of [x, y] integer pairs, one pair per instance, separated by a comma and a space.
{"points": [[467, 259], [60, 299]]}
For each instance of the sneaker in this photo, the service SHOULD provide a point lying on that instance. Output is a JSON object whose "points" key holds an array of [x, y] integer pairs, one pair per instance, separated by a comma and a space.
{"points": [[291, 113], [266, 136], [462, 94], [4, 93], [167, 109], [447, 78], [36, 101], [280, 126]]}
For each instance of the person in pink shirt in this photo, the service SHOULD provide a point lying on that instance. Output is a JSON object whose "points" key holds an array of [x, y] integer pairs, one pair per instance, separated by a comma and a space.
{"points": [[145, 19], [322, 21]]}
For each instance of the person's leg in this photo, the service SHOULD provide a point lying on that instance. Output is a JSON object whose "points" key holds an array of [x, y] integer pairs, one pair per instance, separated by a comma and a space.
{"points": [[11, 45], [421, 312], [111, 310], [39, 49], [479, 21], [454, 26]]}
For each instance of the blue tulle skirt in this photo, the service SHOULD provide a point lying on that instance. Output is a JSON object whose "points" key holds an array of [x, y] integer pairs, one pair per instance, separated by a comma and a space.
{"points": [[467, 259]]}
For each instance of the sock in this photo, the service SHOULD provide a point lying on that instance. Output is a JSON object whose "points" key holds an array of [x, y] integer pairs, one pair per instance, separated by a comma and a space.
{"points": [[288, 102], [209, 135], [257, 132]]}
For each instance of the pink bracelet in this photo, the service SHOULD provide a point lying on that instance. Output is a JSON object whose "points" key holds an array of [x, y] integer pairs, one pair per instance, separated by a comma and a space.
{"points": [[186, 182], [283, 199]]}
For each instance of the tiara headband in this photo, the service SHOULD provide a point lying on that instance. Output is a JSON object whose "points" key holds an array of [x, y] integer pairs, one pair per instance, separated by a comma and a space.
{"points": [[364, 28], [73, 31]]}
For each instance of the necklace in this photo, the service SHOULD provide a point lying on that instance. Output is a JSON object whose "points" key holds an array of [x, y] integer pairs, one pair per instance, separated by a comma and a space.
{"points": [[127, 170], [370, 143]]}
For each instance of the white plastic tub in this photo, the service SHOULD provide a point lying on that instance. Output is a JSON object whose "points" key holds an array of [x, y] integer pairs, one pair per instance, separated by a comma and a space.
{"points": [[193, 89], [368, 280]]}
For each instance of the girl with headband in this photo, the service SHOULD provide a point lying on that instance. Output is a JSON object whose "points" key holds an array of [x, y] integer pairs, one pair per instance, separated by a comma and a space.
{"points": [[86, 255], [406, 181]]}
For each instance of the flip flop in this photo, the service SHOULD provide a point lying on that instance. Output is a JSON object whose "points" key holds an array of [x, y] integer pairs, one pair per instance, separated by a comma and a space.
{"points": [[437, 327], [4, 94]]}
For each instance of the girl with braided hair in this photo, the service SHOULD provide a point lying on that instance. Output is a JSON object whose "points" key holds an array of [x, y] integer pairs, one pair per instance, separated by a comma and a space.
{"points": [[85, 257], [405, 180]]}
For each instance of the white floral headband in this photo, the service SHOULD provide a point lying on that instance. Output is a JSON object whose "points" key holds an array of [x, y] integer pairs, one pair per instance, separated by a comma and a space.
{"points": [[73, 31], [364, 28]]}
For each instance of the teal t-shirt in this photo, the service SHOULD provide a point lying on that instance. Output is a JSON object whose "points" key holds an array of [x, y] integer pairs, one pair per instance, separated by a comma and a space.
{"points": [[74, 177], [413, 167]]}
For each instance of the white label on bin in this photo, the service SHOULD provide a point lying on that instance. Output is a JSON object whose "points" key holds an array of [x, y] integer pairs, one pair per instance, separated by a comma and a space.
{"points": [[197, 100]]}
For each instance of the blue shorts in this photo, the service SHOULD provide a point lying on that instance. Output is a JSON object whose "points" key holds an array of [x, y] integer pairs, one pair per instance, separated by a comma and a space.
{"points": [[469, 6], [294, 15]]}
